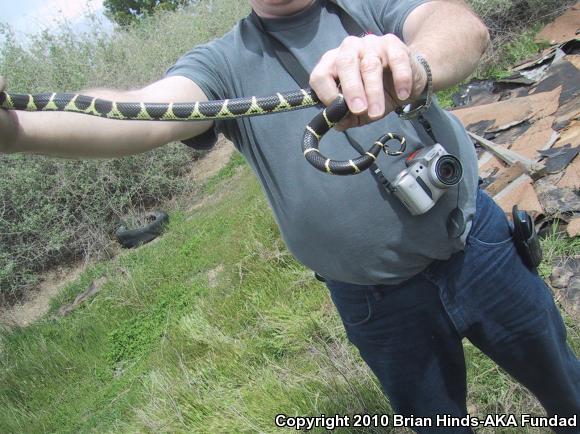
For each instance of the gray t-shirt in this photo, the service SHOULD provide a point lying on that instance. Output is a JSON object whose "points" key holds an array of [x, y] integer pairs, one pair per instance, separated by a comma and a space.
{"points": [[344, 228]]}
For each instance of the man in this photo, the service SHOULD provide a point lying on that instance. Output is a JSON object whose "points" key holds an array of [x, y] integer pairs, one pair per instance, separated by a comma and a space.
{"points": [[408, 288]]}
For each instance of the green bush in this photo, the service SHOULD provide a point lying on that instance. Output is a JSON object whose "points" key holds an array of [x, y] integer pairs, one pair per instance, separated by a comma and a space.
{"points": [[52, 210], [506, 17]]}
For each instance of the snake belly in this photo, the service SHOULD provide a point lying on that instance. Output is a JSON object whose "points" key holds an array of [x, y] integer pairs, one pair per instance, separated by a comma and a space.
{"points": [[215, 110]]}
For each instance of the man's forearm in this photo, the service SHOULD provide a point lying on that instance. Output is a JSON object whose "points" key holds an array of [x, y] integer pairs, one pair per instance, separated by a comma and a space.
{"points": [[450, 37], [78, 135]]}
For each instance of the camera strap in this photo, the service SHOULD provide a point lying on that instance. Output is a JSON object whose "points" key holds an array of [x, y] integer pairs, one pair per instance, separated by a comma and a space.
{"points": [[295, 69]]}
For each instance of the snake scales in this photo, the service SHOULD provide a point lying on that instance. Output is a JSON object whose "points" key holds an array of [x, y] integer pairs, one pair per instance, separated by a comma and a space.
{"points": [[217, 110]]}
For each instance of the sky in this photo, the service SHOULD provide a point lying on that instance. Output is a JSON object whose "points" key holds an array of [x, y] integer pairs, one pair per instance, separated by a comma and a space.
{"points": [[31, 16]]}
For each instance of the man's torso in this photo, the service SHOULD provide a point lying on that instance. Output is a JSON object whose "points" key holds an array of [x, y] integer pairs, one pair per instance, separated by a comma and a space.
{"points": [[345, 228]]}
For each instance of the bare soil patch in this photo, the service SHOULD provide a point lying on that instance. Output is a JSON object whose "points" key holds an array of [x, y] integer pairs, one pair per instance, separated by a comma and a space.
{"points": [[213, 162], [36, 303]]}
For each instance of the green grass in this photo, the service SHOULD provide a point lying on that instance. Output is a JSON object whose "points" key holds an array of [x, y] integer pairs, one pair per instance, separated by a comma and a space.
{"points": [[519, 48], [445, 97], [214, 328], [556, 247], [236, 161], [158, 339], [159, 349]]}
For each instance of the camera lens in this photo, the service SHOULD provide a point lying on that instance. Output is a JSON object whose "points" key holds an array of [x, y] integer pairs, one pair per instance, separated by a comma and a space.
{"points": [[448, 170]]}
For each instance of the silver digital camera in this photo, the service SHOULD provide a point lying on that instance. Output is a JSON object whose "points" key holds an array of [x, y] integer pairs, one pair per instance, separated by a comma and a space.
{"points": [[430, 172]]}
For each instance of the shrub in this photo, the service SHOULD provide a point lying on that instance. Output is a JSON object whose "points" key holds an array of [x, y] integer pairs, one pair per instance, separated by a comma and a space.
{"points": [[52, 210]]}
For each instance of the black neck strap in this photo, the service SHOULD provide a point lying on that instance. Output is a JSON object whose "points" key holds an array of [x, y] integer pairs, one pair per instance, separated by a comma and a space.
{"points": [[287, 59], [295, 69]]}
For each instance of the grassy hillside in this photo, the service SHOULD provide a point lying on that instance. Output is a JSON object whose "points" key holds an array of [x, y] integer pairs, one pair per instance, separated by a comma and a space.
{"points": [[215, 328]]}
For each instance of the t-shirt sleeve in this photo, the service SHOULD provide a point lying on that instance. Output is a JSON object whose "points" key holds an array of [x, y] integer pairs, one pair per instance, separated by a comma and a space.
{"points": [[201, 65], [390, 15]]}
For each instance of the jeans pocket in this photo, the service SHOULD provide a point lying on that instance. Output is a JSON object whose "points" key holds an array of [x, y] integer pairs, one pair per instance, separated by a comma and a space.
{"points": [[353, 305], [491, 227]]}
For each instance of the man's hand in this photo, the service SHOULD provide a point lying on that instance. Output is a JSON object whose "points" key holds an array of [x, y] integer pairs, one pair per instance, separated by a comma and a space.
{"points": [[379, 73], [8, 125], [376, 75]]}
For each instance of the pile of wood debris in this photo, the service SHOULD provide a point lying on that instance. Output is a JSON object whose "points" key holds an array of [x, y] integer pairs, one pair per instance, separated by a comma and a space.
{"points": [[526, 128]]}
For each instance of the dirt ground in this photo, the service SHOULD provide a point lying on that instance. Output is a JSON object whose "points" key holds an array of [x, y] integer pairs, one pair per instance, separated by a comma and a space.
{"points": [[36, 303]]}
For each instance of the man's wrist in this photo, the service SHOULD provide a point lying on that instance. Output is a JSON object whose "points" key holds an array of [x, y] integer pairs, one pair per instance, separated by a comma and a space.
{"points": [[423, 89], [420, 79]]}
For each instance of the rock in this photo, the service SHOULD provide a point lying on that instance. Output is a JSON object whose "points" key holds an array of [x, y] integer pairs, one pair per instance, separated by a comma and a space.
{"points": [[560, 277], [573, 228], [567, 285]]}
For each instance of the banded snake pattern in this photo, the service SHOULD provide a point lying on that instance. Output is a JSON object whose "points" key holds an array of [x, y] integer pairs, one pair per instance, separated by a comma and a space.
{"points": [[218, 110]]}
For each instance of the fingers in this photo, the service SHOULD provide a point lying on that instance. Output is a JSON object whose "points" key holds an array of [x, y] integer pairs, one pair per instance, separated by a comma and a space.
{"points": [[375, 74], [372, 72], [2, 84], [399, 63], [349, 74], [323, 78], [358, 66]]}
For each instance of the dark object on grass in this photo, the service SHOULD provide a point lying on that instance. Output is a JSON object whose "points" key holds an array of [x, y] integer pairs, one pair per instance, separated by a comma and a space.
{"points": [[130, 238]]}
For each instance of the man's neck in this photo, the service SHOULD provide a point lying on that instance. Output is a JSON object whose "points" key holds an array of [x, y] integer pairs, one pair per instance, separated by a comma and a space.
{"points": [[279, 11]]}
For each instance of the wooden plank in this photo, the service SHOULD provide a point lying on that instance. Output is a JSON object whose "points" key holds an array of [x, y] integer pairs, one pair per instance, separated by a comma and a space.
{"points": [[505, 177], [534, 169]]}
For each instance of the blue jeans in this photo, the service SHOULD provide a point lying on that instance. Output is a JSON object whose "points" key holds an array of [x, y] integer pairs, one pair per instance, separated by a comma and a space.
{"points": [[410, 334]]}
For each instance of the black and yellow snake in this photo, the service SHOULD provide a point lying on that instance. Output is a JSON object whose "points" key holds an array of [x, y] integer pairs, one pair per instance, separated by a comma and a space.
{"points": [[217, 110]]}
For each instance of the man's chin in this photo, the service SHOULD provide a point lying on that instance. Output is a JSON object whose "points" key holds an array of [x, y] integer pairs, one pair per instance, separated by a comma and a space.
{"points": [[279, 8]]}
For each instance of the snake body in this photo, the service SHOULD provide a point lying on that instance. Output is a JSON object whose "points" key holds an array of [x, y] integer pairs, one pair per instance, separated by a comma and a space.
{"points": [[217, 110]]}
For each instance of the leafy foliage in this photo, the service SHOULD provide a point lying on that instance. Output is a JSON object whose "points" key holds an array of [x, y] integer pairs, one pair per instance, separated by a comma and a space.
{"points": [[53, 210], [125, 12], [511, 24]]}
